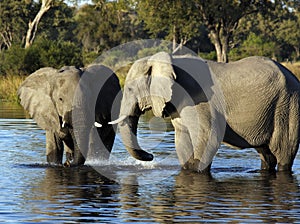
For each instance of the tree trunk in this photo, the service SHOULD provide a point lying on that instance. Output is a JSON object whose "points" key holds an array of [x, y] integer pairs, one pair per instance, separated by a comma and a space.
{"points": [[297, 49], [174, 38], [33, 25], [225, 42], [221, 45]]}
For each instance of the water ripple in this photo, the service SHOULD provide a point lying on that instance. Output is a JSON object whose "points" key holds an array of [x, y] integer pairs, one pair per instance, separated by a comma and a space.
{"points": [[155, 192]]}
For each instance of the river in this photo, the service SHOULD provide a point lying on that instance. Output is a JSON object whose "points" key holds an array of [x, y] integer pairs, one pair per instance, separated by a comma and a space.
{"points": [[126, 191]]}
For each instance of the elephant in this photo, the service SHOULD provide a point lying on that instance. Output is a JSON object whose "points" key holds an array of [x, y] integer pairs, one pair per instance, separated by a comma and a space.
{"points": [[250, 103], [52, 95]]}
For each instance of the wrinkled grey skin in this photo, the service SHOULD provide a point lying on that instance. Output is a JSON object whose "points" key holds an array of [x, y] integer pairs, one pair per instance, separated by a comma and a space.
{"points": [[49, 96], [257, 106]]}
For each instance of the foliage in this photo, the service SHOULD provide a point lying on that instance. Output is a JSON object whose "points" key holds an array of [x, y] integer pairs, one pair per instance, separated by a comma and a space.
{"points": [[43, 53], [288, 32], [58, 53], [106, 25], [222, 18], [14, 15], [176, 21], [253, 45], [209, 56], [77, 35], [12, 60]]}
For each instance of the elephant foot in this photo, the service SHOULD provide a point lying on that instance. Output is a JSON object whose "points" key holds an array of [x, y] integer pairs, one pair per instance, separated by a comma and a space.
{"points": [[284, 168], [194, 165], [270, 167], [53, 159], [268, 160], [72, 160]]}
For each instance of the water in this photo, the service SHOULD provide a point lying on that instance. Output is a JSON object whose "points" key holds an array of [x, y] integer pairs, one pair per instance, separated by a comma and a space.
{"points": [[155, 192]]}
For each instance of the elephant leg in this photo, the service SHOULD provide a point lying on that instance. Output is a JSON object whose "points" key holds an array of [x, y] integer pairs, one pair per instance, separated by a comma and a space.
{"points": [[285, 159], [78, 158], [184, 147], [202, 129], [102, 146], [54, 148], [284, 143], [75, 158], [268, 160]]}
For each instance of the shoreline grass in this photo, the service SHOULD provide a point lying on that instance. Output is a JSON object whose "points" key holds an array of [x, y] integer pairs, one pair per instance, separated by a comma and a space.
{"points": [[9, 85], [293, 67]]}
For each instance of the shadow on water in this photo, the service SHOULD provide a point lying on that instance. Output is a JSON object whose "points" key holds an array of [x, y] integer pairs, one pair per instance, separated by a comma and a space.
{"points": [[81, 194]]}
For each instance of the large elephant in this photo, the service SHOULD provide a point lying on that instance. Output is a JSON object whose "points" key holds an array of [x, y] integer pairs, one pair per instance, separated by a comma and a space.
{"points": [[51, 96], [253, 102]]}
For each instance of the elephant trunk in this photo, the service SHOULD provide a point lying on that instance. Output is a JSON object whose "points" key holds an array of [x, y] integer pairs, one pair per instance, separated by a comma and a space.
{"points": [[128, 131]]}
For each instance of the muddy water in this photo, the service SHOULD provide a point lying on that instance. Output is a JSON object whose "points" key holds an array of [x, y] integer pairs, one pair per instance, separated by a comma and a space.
{"points": [[124, 190]]}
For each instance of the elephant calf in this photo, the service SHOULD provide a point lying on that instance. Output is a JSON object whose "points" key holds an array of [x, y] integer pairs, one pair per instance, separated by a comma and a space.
{"points": [[253, 102], [66, 103]]}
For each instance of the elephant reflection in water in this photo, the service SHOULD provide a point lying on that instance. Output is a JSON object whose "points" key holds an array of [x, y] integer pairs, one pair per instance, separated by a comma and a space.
{"points": [[189, 196], [61, 192], [204, 198], [66, 103]]}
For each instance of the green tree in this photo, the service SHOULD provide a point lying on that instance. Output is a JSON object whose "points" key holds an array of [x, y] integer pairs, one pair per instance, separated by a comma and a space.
{"points": [[289, 33], [254, 45], [59, 24], [176, 21], [277, 27], [106, 24], [222, 17], [14, 15], [33, 23]]}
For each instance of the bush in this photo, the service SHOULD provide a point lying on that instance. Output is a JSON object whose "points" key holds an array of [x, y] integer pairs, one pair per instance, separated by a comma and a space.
{"points": [[209, 56], [12, 61], [58, 53], [43, 53], [89, 57], [253, 45]]}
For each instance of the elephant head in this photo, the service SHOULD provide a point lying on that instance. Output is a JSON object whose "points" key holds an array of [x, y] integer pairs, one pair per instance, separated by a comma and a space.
{"points": [[148, 86], [47, 94]]}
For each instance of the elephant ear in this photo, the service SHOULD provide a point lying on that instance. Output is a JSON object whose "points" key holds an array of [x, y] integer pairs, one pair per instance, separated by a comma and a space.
{"points": [[162, 80], [35, 95]]}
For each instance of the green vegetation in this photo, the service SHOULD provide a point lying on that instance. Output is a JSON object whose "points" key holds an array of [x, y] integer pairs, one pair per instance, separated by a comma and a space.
{"points": [[35, 34], [8, 87]]}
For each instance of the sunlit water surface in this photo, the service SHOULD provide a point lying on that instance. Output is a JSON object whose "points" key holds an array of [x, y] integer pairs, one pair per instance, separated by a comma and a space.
{"points": [[125, 190]]}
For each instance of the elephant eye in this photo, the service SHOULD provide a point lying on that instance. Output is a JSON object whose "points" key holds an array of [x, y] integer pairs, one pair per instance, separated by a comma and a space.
{"points": [[60, 99]]}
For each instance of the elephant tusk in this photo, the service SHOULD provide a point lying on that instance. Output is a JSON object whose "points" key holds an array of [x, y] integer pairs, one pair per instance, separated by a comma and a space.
{"points": [[118, 120], [98, 125], [63, 124]]}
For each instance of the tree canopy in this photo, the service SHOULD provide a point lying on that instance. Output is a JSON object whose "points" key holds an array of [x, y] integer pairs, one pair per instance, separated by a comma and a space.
{"points": [[216, 29]]}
